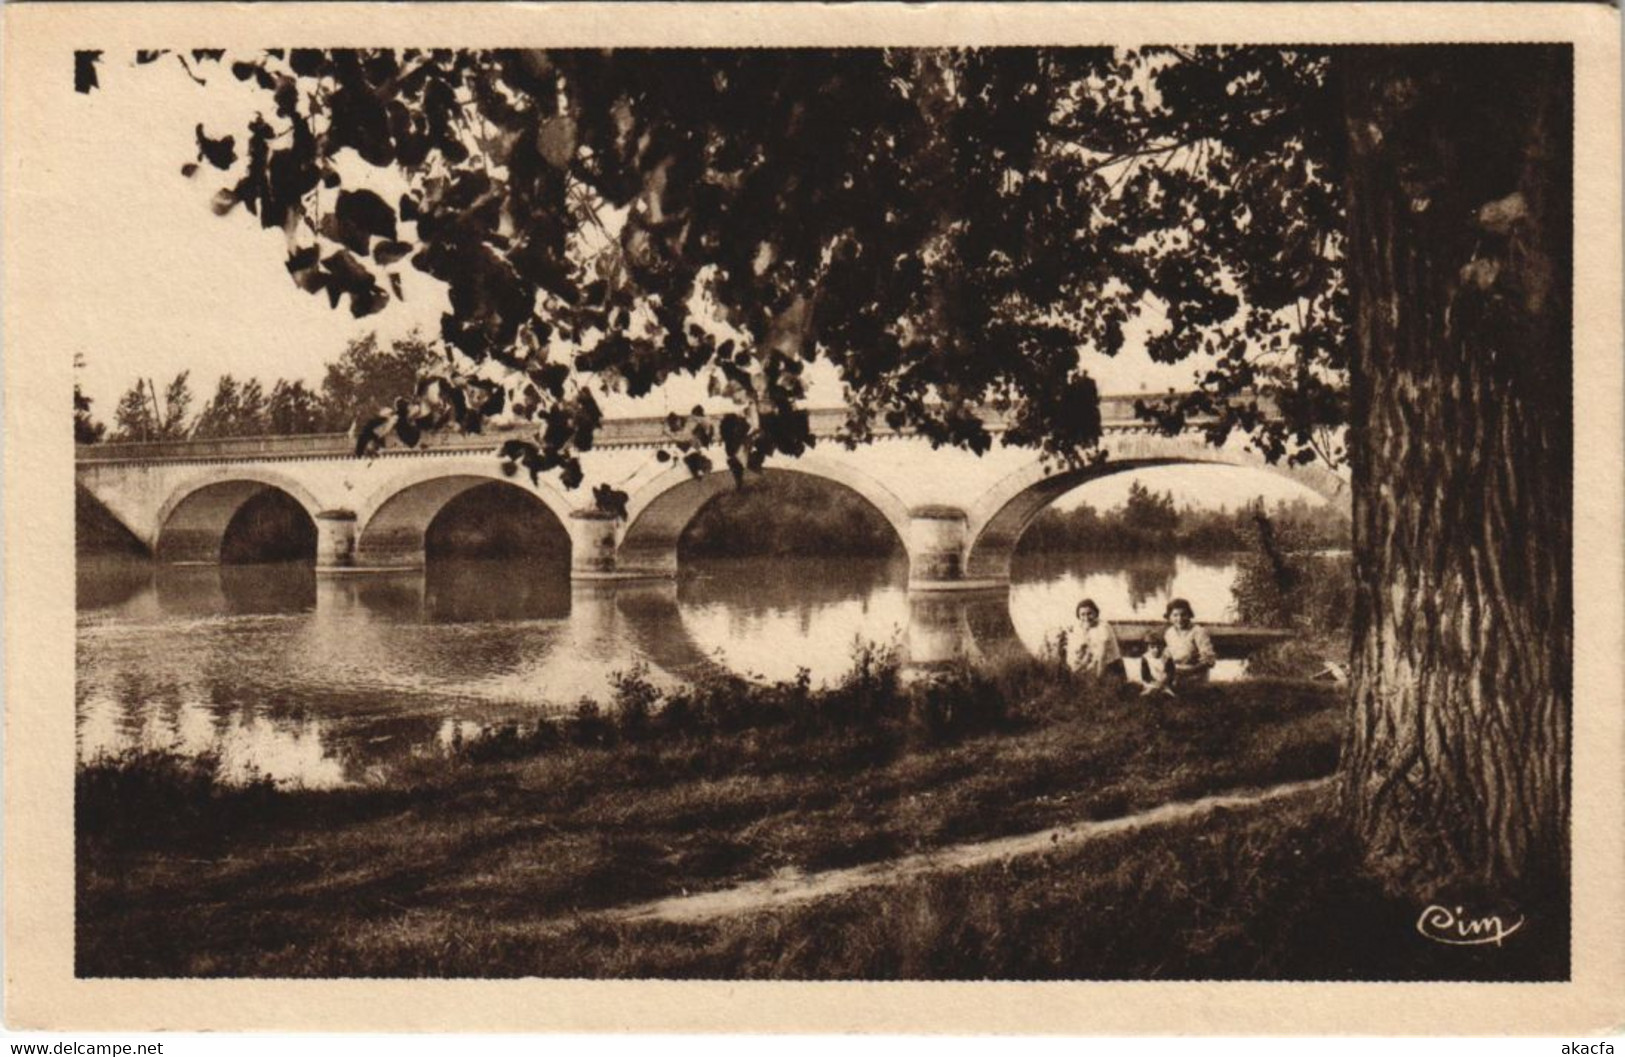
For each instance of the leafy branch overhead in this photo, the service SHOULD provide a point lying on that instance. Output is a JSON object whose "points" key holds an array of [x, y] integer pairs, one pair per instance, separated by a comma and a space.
{"points": [[951, 230]]}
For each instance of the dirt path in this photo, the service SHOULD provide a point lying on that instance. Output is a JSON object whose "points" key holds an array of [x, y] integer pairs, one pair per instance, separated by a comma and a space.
{"points": [[787, 889]]}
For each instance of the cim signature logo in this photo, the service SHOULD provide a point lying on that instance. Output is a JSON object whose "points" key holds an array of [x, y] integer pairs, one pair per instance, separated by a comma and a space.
{"points": [[1450, 925]]}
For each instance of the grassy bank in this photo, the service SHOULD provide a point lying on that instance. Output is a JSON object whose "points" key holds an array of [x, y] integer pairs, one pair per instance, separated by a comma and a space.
{"points": [[480, 863], [1272, 892]]}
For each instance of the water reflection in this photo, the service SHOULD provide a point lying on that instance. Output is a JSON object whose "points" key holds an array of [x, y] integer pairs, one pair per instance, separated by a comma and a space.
{"points": [[1047, 589], [770, 617], [227, 590], [326, 680], [1149, 577], [110, 582], [292, 751], [460, 591]]}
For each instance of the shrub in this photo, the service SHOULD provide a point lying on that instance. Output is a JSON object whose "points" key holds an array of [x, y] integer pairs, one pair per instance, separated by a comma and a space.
{"points": [[141, 792], [873, 697], [1282, 582], [589, 728], [959, 702], [636, 699]]}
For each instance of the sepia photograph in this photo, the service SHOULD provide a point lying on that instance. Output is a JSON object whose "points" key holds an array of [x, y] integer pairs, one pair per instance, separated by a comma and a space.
{"points": [[866, 513]]}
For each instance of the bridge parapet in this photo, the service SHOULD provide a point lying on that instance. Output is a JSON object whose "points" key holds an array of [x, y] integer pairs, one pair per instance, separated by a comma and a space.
{"points": [[1116, 413]]}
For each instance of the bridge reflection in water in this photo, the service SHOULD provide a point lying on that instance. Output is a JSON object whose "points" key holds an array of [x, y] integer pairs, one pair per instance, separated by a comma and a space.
{"points": [[318, 680]]}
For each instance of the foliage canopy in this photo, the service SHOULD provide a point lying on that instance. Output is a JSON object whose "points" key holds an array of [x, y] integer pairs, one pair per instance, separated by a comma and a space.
{"points": [[951, 229]]}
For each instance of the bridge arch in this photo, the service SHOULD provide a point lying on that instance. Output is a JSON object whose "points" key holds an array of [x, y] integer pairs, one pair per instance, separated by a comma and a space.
{"points": [[192, 524], [659, 511], [393, 523], [996, 522]]}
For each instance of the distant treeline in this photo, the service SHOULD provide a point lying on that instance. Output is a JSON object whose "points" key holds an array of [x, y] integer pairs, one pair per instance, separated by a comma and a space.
{"points": [[791, 514], [367, 376], [1150, 521]]}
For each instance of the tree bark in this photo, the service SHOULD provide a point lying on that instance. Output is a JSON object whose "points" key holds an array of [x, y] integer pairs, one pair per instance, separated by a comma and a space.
{"points": [[1459, 176]]}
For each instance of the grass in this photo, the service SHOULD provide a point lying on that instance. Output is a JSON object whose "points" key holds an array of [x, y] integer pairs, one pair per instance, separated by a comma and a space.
{"points": [[1271, 892], [482, 863]]}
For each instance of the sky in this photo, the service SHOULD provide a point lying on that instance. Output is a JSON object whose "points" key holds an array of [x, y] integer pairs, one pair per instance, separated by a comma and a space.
{"points": [[156, 283]]}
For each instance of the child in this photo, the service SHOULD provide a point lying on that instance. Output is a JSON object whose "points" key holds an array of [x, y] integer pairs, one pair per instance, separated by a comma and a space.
{"points": [[1156, 668]]}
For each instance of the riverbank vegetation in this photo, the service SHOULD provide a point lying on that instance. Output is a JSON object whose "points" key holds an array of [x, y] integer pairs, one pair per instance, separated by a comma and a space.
{"points": [[789, 514], [1148, 520], [831, 521], [487, 861]]}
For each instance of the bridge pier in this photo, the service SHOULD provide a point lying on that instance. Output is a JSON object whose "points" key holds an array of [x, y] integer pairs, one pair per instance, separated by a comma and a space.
{"points": [[937, 540], [592, 545], [335, 540], [596, 554]]}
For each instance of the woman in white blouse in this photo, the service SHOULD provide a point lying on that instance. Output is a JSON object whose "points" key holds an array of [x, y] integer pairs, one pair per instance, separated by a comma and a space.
{"points": [[1099, 655], [1189, 646]]}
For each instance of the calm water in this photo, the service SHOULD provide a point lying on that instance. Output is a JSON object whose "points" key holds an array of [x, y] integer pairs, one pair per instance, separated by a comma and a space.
{"points": [[327, 681]]}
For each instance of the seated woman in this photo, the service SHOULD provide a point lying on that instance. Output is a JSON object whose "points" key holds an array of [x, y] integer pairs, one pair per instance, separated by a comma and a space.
{"points": [[1189, 646], [1099, 656]]}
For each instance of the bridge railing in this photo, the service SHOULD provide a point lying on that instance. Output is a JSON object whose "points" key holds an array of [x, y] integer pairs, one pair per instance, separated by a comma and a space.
{"points": [[1116, 413]]}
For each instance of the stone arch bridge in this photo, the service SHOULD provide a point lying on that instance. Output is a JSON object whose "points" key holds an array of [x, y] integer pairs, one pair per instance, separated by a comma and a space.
{"points": [[958, 515]]}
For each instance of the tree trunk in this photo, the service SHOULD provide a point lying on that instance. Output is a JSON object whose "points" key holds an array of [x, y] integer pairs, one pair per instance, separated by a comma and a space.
{"points": [[1459, 198]]}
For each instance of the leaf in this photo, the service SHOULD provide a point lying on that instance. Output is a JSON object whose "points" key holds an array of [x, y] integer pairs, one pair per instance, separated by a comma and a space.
{"points": [[389, 251], [365, 211], [697, 463], [734, 432], [610, 500], [407, 431], [551, 377], [287, 98], [588, 417], [301, 259], [368, 302], [306, 62], [84, 70], [220, 153], [357, 119], [358, 216], [367, 438], [514, 450], [347, 275], [556, 141]]}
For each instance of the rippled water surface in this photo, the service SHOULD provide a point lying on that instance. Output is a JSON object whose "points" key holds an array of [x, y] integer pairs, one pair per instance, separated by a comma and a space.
{"points": [[323, 681]]}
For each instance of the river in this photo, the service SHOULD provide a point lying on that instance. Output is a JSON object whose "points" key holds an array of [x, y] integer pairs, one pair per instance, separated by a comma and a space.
{"points": [[326, 681]]}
